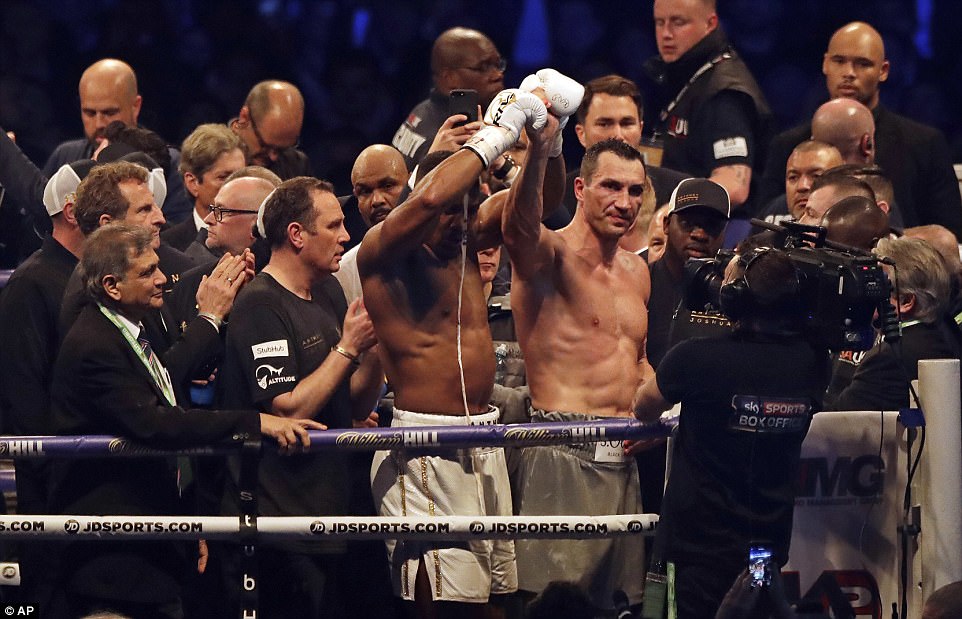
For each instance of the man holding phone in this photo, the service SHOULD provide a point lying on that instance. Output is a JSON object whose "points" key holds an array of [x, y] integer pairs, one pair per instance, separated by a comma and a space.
{"points": [[462, 60]]}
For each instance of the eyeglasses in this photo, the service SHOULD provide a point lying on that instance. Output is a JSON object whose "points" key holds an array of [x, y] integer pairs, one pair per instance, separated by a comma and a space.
{"points": [[498, 65], [265, 147], [219, 211]]}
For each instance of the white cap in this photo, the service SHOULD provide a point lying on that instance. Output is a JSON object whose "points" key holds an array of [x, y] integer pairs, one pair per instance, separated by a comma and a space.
{"points": [[260, 216], [61, 189], [157, 183]]}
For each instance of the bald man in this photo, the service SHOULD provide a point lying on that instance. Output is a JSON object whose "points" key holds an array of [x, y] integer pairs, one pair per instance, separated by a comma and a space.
{"points": [[847, 125], [461, 58], [915, 156], [379, 180], [108, 92], [269, 123]]}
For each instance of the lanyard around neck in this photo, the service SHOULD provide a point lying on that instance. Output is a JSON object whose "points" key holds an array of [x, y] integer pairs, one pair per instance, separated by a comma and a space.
{"points": [[708, 66], [156, 370]]}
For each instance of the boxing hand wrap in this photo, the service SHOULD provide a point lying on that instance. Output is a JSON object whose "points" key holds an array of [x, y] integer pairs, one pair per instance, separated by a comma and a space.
{"points": [[511, 111], [562, 92]]}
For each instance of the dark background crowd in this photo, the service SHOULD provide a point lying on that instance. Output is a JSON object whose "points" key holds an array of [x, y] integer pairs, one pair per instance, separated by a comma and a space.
{"points": [[361, 64]]}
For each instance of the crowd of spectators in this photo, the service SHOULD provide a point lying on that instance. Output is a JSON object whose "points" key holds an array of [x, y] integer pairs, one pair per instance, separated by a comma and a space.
{"points": [[239, 104], [362, 65]]}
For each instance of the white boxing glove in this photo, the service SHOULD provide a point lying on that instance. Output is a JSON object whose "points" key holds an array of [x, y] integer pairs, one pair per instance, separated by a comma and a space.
{"points": [[511, 111], [562, 92]]}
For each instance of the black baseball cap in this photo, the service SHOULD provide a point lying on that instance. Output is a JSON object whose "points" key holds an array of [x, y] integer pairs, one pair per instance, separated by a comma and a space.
{"points": [[700, 192]]}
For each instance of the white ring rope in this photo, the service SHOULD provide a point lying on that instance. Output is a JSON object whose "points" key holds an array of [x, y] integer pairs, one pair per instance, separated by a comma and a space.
{"points": [[326, 527]]}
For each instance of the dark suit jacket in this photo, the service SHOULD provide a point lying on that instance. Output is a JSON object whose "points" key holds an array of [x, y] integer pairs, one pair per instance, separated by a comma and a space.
{"points": [[100, 386], [186, 355], [916, 158], [181, 234]]}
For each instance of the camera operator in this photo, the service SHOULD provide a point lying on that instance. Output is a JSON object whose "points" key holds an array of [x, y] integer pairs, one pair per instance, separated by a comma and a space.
{"points": [[747, 399], [881, 380]]}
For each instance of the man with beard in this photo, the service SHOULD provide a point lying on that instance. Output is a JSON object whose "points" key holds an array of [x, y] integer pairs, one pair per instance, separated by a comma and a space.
{"points": [[379, 178], [695, 228], [422, 286], [916, 156]]}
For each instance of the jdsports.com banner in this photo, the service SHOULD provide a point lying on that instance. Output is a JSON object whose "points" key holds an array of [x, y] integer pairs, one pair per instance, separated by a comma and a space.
{"points": [[845, 540]]}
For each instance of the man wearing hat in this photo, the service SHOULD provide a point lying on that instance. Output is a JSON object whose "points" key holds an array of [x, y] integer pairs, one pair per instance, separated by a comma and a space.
{"points": [[695, 228], [29, 309]]}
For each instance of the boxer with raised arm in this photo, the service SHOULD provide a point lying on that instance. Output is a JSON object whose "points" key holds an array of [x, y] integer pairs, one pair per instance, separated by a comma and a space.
{"points": [[421, 283], [580, 308]]}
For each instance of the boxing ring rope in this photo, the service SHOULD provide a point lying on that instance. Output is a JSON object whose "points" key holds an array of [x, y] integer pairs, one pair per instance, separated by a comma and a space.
{"points": [[247, 528], [459, 528], [367, 439], [348, 527]]}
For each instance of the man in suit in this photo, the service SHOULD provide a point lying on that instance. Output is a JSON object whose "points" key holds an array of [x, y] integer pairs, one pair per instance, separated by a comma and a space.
{"points": [[107, 380], [119, 192], [210, 154], [915, 156]]}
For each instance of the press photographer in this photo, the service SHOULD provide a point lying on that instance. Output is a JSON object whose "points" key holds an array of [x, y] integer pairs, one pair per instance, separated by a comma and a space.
{"points": [[747, 399]]}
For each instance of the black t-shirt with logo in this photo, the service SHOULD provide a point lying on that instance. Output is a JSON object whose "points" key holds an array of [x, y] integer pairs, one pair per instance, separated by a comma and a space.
{"points": [[275, 340], [747, 402]]}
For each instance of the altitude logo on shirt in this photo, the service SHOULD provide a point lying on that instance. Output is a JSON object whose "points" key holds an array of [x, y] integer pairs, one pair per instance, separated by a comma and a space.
{"points": [[274, 348], [268, 375], [752, 413]]}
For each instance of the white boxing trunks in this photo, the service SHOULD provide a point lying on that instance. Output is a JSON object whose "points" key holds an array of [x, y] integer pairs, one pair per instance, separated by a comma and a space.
{"points": [[449, 482]]}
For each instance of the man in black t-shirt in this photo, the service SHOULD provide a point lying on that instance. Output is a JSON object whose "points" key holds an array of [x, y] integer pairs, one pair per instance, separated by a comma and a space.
{"points": [[294, 350], [747, 400]]}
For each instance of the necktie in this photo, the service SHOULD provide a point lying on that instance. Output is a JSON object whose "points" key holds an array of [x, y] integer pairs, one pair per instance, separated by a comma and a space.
{"points": [[184, 469]]}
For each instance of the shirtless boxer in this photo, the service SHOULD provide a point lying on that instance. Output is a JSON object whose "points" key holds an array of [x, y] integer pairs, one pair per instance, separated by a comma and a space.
{"points": [[422, 285], [580, 306]]}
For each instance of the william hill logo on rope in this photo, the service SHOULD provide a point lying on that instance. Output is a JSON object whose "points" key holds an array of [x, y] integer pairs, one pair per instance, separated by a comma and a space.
{"points": [[21, 447]]}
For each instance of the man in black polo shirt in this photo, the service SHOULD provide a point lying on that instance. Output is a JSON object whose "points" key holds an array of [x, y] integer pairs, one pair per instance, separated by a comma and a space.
{"points": [[293, 350]]}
